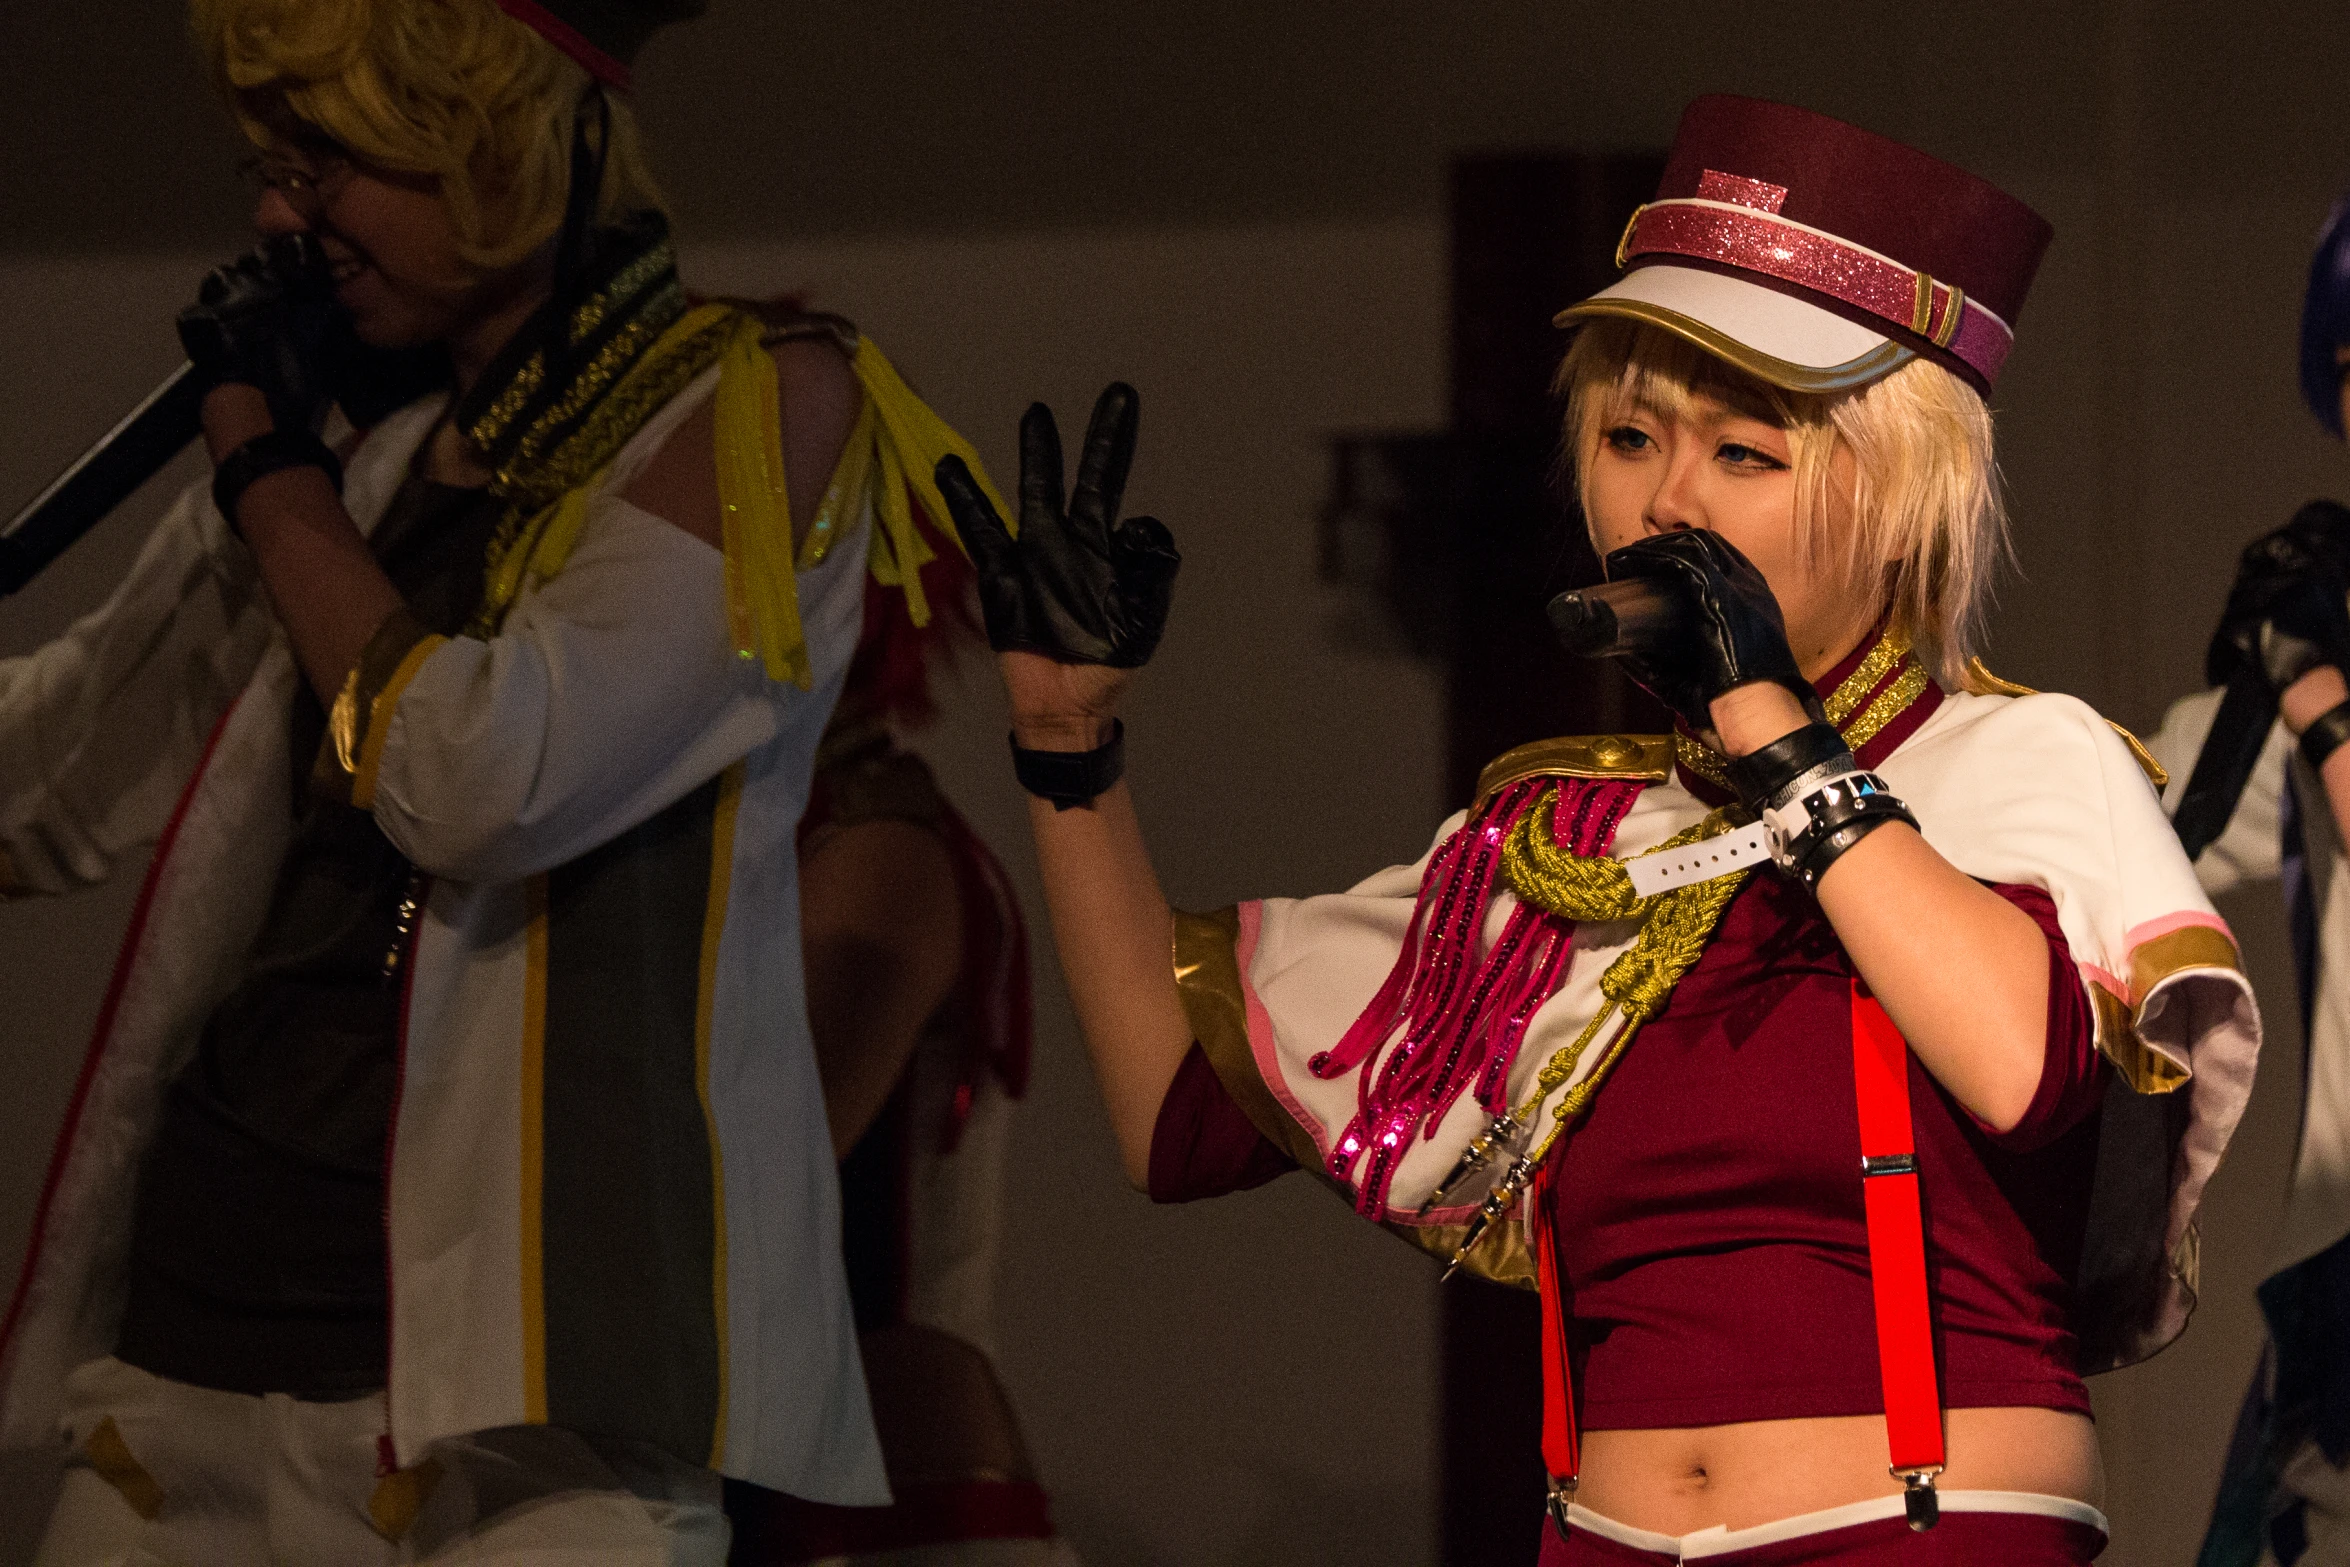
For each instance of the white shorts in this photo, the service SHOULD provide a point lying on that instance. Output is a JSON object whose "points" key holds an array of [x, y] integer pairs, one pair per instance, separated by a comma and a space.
{"points": [[162, 1474]]}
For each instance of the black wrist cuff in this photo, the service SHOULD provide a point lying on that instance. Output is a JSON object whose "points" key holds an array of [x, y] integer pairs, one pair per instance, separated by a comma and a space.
{"points": [[1770, 776], [2325, 734], [270, 452], [1844, 811], [1071, 778]]}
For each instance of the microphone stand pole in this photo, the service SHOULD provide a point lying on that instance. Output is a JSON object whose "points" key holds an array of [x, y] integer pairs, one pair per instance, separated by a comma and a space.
{"points": [[102, 478]]}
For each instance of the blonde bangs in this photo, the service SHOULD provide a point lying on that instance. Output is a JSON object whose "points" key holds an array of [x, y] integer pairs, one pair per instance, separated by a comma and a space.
{"points": [[454, 89], [1928, 526]]}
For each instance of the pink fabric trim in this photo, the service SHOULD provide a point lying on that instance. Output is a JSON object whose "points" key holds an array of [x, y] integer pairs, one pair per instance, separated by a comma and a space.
{"points": [[2138, 935], [2093, 973], [1260, 1029]]}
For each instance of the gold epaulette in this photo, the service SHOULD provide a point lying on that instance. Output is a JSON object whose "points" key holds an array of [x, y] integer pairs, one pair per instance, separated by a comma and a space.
{"points": [[1984, 683], [1579, 756]]}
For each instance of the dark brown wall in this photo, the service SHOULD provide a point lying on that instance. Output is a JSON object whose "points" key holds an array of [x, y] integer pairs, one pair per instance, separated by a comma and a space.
{"points": [[1241, 208], [784, 116]]}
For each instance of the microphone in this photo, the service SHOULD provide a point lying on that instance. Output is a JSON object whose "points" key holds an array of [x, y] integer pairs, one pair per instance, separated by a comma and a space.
{"points": [[102, 478], [367, 383], [1598, 621]]}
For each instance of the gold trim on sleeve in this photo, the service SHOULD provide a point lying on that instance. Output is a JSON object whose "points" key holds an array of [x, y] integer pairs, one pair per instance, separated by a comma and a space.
{"points": [[350, 718], [2152, 965], [1207, 977], [380, 708], [114, 1462], [2144, 1068], [400, 1497], [1985, 683], [1579, 756], [2188, 947]]}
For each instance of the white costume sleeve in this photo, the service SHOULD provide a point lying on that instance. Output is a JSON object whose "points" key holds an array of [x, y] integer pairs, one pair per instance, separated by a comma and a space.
{"points": [[2033, 791], [100, 729], [609, 693]]}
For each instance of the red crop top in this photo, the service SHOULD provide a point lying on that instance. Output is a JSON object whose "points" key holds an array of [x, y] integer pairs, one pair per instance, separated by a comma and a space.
{"points": [[1710, 1235]]}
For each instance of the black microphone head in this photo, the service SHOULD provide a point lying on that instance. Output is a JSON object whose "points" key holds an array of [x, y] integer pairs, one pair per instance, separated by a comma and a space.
{"points": [[1585, 623]]}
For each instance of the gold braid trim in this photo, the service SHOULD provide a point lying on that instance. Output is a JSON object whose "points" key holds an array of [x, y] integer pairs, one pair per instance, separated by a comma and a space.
{"points": [[1841, 704], [1641, 979], [620, 293], [690, 346], [1701, 759], [1889, 705], [1890, 650], [539, 473], [509, 404], [1590, 890]]}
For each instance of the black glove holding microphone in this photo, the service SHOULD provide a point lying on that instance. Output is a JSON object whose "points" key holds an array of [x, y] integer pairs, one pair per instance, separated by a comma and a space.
{"points": [[1078, 585], [268, 320], [1714, 625]]}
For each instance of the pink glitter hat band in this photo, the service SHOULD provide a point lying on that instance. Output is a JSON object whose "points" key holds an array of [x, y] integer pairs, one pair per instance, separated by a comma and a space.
{"points": [[1739, 236], [1818, 256]]}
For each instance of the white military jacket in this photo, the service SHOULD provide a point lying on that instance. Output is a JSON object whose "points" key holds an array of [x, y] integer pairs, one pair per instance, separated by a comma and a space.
{"points": [[532, 1277]]}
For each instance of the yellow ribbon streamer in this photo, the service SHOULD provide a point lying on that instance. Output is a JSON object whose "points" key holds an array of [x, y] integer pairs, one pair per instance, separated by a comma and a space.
{"points": [[888, 465]]}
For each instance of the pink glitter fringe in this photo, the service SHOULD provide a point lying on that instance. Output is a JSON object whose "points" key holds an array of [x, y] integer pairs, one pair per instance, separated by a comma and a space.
{"points": [[1462, 1015]]}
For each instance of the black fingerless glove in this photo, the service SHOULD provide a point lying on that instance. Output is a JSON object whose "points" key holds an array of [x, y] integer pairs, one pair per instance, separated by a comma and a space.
{"points": [[2285, 614], [1078, 585], [267, 320], [1729, 633]]}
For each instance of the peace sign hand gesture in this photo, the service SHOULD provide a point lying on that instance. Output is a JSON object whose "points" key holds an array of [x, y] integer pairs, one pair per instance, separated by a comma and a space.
{"points": [[1079, 600]]}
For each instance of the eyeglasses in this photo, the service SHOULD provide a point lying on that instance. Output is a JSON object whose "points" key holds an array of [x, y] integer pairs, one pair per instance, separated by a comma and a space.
{"points": [[306, 182]]}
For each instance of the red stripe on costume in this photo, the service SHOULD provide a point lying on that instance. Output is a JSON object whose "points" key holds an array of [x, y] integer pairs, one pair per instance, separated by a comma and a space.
{"points": [[62, 1153], [567, 38]]}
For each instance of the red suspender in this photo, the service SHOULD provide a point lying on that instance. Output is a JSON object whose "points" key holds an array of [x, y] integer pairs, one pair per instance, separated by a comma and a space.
{"points": [[1897, 1277], [1562, 1454], [1897, 1255]]}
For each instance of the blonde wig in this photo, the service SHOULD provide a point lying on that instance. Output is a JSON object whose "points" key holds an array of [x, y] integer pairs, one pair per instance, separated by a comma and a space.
{"points": [[452, 89], [1928, 527]]}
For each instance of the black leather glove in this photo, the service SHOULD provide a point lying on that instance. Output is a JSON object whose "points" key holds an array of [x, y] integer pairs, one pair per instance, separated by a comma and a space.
{"points": [[2286, 615], [1077, 585], [267, 320], [1730, 634]]}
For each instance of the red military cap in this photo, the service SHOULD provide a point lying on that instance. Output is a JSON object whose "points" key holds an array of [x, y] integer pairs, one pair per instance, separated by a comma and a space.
{"points": [[1819, 256]]}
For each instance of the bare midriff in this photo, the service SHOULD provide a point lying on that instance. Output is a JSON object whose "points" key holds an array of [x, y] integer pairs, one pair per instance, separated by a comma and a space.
{"points": [[1678, 1481]]}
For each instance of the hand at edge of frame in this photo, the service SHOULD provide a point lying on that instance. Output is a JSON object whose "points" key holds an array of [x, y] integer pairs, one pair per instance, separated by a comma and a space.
{"points": [[1079, 600]]}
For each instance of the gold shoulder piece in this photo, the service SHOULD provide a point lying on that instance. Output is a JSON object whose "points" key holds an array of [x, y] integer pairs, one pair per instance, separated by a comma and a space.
{"points": [[1580, 756], [1986, 683]]}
